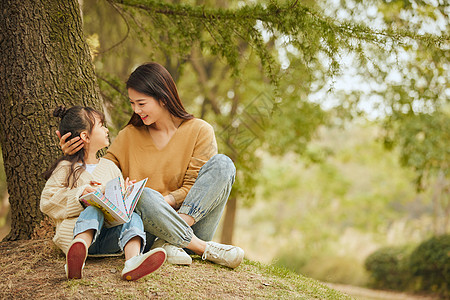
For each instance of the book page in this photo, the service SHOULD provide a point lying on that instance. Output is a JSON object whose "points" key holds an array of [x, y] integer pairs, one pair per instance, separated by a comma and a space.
{"points": [[132, 195], [113, 216], [113, 193]]}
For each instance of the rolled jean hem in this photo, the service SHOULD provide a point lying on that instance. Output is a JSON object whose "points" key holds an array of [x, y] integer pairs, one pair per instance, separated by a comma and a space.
{"points": [[85, 225], [186, 240], [191, 211], [128, 234]]}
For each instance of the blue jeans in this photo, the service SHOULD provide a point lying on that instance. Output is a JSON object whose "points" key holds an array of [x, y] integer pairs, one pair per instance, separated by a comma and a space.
{"points": [[205, 203], [108, 240]]}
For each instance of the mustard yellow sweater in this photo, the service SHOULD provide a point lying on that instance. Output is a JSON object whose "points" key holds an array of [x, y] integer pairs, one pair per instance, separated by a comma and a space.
{"points": [[171, 170], [62, 203]]}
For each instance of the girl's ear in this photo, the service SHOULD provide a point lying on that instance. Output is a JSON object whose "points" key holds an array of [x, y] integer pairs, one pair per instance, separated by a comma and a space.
{"points": [[84, 136]]}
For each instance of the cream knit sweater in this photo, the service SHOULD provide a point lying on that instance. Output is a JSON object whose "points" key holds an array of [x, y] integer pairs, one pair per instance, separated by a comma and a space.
{"points": [[62, 203]]}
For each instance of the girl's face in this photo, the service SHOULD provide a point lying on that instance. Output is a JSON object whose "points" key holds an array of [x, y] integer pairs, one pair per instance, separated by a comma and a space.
{"points": [[98, 139], [148, 108]]}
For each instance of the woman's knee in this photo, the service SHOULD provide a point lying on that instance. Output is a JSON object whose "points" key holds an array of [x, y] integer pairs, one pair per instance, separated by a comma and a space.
{"points": [[149, 201], [224, 166]]}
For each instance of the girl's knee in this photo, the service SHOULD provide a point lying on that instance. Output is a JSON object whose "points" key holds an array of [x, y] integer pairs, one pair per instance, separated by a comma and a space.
{"points": [[91, 213], [136, 222]]}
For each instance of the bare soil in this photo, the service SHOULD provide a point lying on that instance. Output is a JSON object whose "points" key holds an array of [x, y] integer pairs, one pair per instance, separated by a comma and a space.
{"points": [[35, 269]]}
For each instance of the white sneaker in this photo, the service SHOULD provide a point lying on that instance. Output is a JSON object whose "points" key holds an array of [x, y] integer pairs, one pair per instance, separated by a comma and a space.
{"points": [[143, 264], [225, 255], [76, 255], [175, 255]]}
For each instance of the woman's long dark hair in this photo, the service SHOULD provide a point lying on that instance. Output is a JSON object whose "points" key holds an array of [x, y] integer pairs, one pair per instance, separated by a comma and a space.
{"points": [[74, 120], [155, 81]]}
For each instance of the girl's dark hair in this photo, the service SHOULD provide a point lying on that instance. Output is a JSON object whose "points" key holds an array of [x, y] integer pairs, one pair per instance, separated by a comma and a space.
{"points": [[155, 81], [74, 120]]}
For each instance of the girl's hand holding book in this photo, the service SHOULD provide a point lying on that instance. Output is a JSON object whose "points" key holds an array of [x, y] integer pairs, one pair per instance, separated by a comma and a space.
{"points": [[87, 191]]}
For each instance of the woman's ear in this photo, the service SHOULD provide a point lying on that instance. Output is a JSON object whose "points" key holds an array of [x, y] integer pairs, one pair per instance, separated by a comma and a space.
{"points": [[84, 136]]}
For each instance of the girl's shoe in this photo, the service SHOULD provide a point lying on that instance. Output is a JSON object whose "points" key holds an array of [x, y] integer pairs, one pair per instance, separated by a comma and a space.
{"points": [[76, 255], [144, 264]]}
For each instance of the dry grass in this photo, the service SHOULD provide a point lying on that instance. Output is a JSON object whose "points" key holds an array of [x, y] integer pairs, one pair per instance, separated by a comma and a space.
{"points": [[34, 269]]}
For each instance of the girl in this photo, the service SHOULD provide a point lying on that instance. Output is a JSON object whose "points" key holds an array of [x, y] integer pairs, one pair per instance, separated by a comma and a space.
{"points": [[73, 176], [189, 183]]}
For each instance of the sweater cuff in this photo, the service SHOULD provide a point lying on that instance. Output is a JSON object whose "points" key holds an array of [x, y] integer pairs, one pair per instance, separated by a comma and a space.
{"points": [[74, 205]]}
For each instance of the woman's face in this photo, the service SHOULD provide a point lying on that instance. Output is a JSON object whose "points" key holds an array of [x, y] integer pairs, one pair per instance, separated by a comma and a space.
{"points": [[147, 107]]}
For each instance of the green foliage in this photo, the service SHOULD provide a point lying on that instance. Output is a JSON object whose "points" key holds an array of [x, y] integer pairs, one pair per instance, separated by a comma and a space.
{"points": [[323, 267], [425, 143], [413, 85], [322, 219], [219, 31], [430, 264], [389, 268], [423, 268]]}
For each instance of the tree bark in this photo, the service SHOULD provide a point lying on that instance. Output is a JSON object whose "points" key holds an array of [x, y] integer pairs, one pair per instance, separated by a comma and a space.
{"points": [[228, 222], [44, 62]]}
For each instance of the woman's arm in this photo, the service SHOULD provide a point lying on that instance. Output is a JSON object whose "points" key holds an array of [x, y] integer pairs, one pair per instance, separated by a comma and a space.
{"points": [[205, 148]]}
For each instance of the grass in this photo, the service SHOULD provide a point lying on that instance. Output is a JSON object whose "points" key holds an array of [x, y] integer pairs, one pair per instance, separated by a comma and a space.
{"points": [[35, 269]]}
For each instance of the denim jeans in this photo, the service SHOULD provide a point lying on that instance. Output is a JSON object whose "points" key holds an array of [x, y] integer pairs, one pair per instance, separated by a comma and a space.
{"points": [[108, 240], [205, 203]]}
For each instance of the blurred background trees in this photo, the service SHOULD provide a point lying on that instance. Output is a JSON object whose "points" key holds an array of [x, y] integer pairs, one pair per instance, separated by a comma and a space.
{"points": [[339, 130]]}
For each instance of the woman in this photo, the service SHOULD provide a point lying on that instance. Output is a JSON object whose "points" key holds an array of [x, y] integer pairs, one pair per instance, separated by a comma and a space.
{"points": [[188, 182]]}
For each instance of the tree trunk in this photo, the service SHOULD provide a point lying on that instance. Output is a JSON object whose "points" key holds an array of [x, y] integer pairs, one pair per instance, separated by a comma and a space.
{"points": [[44, 62], [228, 222]]}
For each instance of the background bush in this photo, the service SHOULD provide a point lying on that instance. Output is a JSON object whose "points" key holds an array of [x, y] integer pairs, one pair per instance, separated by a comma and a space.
{"points": [[389, 268], [430, 265], [326, 267]]}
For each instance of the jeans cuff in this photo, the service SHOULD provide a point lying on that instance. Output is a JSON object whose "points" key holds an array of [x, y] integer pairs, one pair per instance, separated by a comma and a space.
{"points": [[84, 225], [186, 239], [128, 234], [192, 211]]}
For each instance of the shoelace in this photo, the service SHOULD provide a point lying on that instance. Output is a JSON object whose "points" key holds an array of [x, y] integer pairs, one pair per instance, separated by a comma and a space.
{"points": [[177, 249], [214, 252]]}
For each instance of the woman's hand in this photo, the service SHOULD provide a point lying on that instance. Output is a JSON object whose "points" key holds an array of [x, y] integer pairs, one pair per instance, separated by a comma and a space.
{"points": [[171, 200], [71, 147], [129, 182]]}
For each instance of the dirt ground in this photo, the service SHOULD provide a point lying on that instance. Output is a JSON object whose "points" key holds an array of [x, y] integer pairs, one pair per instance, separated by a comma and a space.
{"points": [[34, 269]]}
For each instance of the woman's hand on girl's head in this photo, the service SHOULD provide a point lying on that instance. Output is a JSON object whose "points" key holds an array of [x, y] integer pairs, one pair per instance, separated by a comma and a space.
{"points": [[70, 147]]}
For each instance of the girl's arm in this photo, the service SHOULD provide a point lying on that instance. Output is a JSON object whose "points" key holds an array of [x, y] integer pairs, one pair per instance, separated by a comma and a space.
{"points": [[58, 201]]}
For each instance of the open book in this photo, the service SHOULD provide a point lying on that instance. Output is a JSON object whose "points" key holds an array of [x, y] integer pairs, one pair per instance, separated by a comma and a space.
{"points": [[117, 203]]}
